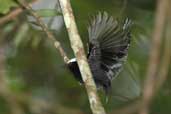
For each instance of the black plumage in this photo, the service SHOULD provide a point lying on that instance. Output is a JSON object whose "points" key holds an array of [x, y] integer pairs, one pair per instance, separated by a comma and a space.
{"points": [[108, 47]]}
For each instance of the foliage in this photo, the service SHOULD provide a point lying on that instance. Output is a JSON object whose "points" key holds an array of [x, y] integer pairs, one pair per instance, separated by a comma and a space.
{"points": [[5, 6]]}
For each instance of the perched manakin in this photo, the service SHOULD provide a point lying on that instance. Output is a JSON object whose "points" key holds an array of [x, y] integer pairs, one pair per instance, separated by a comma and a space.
{"points": [[108, 49]]}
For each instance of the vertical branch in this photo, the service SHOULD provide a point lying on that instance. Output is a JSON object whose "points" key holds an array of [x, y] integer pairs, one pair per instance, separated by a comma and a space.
{"points": [[150, 81], [166, 58], [78, 49]]}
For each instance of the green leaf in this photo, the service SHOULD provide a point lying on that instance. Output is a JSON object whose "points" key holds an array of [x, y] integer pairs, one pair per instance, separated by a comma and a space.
{"points": [[47, 12], [5, 6]]}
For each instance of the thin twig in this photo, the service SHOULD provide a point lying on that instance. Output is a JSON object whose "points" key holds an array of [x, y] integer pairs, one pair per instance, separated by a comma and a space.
{"points": [[150, 81], [79, 52], [13, 14], [10, 16], [45, 29]]}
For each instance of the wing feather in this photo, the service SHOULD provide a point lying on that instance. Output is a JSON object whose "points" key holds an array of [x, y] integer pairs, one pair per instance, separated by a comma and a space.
{"points": [[112, 39]]}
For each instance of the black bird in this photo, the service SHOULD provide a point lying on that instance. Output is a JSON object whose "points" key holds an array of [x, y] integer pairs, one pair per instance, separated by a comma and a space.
{"points": [[108, 48]]}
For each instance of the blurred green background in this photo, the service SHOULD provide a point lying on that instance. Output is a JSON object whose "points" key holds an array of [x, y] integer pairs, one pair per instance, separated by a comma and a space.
{"points": [[33, 71]]}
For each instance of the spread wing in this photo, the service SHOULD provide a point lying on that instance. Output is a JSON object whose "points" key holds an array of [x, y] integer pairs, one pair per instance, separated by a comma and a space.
{"points": [[108, 43]]}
